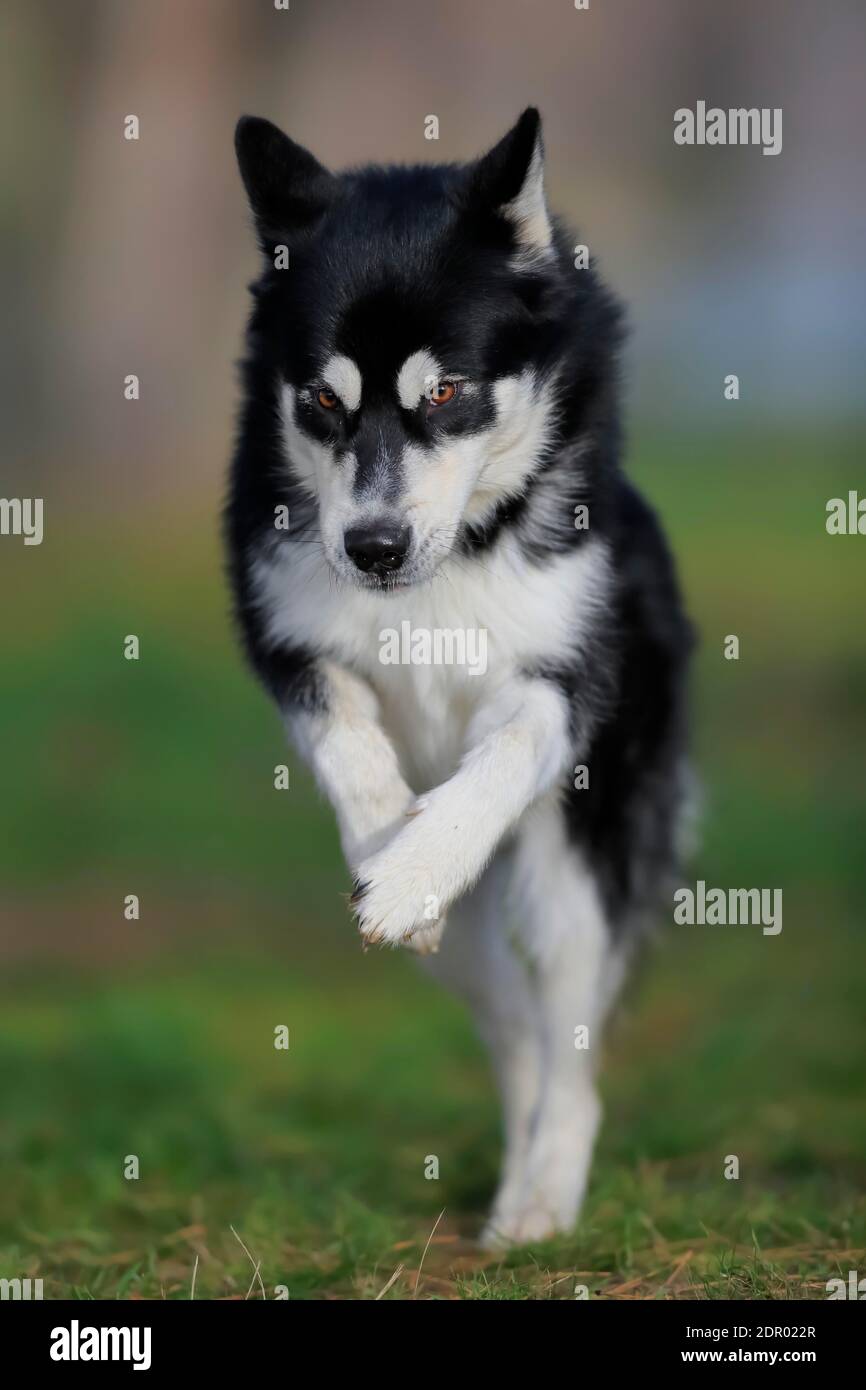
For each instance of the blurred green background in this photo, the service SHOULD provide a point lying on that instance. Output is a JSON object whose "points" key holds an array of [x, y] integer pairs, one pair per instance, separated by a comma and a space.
{"points": [[155, 1037]]}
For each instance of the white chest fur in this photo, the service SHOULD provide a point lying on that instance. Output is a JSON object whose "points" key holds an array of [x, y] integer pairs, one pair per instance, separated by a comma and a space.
{"points": [[529, 614]]}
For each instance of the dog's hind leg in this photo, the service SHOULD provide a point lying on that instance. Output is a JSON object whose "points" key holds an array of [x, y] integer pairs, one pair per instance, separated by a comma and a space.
{"points": [[478, 960], [576, 974]]}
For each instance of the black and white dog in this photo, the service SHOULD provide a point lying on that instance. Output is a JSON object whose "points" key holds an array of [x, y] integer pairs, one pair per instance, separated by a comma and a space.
{"points": [[429, 450]]}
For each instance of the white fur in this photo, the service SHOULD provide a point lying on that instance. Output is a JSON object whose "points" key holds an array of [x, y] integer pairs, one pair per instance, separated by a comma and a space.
{"points": [[418, 373], [531, 613], [524, 417], [313, 463], [354, 763], [517, 748], [575, 977], [530, 951], [528, 211], [343, 377]]}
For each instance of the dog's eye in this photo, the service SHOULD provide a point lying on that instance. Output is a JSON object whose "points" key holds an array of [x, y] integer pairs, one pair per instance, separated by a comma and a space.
{"points": [[327, 400], [443, 392]]}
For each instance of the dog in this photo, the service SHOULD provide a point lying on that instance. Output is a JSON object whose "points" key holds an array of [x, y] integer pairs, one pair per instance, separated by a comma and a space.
{"points": [[429, 447]]}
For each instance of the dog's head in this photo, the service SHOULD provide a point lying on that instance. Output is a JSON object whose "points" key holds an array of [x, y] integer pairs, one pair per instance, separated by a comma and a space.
{"points": [[415, 320]]}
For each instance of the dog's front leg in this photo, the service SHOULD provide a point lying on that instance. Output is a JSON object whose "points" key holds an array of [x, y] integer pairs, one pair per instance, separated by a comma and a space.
{"points": [[340, 736], [518, 747]]}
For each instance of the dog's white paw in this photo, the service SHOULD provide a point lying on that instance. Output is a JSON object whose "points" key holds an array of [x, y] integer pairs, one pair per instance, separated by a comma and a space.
{"points": [[536, 1216], [395, 907], [546, 1197], [397, 899], [524, 1226]]}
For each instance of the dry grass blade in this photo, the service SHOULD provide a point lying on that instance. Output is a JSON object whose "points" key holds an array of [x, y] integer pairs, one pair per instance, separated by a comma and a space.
{"points": [[256, 1266], [390, 1284], [253, 1280], [426, 1248]]}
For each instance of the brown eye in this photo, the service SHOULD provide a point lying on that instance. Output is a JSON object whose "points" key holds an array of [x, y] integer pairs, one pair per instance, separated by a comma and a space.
{"points": [[327, 400], [443, 392]]}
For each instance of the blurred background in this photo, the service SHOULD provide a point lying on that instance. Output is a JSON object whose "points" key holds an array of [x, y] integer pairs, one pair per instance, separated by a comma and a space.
{"points": [[155, 1037]]}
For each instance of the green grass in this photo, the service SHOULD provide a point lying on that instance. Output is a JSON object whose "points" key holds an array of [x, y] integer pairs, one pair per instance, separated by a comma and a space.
{"points": [[316, 1155], [155, 1037]]}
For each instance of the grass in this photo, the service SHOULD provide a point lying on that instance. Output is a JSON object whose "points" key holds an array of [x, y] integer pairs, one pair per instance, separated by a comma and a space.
{"points": [[316, 1155], [154, 1038]]}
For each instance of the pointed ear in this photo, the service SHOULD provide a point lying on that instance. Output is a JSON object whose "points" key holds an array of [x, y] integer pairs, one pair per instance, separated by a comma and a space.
{"points": [[510, 180], [288, 189]]}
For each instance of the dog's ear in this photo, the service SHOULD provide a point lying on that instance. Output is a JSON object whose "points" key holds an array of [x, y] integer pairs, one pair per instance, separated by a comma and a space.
{"points": [[510, 180], [288, 190]]}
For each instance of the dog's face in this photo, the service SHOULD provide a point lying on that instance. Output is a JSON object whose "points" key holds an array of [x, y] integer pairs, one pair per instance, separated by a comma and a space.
{"points": [[414, 334]]}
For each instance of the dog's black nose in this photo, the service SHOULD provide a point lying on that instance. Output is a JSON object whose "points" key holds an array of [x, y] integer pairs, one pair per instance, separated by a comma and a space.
{"points": [[379, 548]]}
